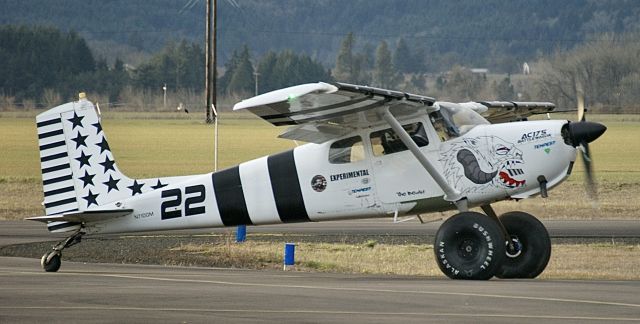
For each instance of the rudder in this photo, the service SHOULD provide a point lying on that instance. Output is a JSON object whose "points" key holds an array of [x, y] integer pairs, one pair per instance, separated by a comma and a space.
{"points": [[78, 168]]}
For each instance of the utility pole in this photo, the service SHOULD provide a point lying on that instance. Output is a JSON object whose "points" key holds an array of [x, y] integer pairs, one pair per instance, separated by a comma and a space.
{"points": [[210, 60]]}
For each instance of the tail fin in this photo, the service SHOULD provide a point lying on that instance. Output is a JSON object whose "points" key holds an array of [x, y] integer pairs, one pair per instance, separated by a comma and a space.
{"points": [[78, 168]]}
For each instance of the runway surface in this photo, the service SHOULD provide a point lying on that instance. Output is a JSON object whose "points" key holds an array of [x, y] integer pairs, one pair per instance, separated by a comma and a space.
{"points": [[107, 293]]}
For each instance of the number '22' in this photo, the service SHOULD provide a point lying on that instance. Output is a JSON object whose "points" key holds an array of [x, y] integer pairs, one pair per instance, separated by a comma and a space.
{"points": [[172, 201]]}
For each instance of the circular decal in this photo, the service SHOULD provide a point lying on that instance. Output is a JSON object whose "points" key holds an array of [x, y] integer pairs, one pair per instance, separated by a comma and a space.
{"points": [[319, 183]]}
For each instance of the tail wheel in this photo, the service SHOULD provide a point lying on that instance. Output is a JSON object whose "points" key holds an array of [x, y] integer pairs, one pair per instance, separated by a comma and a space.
{"points": [[530, 249], [51, 261], [469, 245]]}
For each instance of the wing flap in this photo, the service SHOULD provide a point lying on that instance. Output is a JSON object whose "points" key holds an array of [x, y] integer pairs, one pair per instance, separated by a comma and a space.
{"points": [[83, 217]]}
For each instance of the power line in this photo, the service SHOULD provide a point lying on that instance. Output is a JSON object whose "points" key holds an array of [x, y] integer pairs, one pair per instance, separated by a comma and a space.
{"points": [[365, 35]]}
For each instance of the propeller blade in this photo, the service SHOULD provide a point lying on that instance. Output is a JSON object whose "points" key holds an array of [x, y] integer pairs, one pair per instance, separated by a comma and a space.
{"points": [[580, 100], [583, 133], [592, 190]]}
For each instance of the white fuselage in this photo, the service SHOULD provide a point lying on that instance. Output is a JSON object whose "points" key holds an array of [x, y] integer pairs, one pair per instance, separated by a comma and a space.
{"points": [[487, 164]]}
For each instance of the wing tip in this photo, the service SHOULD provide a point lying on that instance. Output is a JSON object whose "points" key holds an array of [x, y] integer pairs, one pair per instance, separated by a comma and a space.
{"points": [[284, 94]]}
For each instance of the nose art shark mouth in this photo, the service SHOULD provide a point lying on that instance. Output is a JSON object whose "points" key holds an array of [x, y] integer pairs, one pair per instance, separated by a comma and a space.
{"points": [[506, 175]]}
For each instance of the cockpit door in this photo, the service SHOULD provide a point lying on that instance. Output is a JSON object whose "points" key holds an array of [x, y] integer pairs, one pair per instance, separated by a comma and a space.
{"points": [[398, 175]]}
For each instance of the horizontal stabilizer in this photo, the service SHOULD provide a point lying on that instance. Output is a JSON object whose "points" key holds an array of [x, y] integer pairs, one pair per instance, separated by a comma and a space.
{"points": [[83, 217]]}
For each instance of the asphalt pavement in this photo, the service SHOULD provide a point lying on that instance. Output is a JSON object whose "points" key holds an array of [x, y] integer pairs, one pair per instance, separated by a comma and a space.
{"points": [[109, 293]]}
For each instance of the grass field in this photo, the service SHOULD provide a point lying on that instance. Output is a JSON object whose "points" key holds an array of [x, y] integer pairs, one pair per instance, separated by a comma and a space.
{"points": [[164, 144], [568, 261]]}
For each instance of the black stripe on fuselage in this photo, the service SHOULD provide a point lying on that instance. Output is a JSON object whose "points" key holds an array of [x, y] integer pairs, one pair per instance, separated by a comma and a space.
{"points": [[286, 188], [230, 198]]}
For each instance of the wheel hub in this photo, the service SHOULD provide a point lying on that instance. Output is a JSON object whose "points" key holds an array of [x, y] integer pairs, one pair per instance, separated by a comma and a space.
{"points": [[468, 248], [514, 247]]}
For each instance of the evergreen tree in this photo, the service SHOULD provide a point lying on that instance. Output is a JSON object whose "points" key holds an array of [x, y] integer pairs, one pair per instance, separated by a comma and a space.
{"points": [[402, 58], [345, 71], [33, 59], [180, 66], [241, 81], [504, 90], [287, 69], [229, 69], [384, 74], [267, 77], [462, 84]]}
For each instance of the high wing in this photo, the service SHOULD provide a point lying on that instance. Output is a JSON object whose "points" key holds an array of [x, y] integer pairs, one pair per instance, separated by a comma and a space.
{"points": [[508, 111], [318, 112]]}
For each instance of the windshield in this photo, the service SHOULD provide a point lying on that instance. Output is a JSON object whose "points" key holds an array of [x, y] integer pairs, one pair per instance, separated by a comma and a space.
{"points": [[460, 119]]}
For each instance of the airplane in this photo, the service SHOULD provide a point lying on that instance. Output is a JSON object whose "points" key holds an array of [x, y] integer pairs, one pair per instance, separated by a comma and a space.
{"points": [[370, 152]]}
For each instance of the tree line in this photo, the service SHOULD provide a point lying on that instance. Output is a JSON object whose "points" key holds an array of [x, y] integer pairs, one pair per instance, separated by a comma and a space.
{"points": [[49, 66], [45, 65], [491, 33]]}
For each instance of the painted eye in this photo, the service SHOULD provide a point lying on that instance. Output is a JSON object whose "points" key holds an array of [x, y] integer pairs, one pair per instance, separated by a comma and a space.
{"points": [[502, 150]]}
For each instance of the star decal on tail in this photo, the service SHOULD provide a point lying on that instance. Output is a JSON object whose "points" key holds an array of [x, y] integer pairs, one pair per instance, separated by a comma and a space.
{"points": [[76, 120], [136, 188], [91, 199], [83, 159], [112, 184]]}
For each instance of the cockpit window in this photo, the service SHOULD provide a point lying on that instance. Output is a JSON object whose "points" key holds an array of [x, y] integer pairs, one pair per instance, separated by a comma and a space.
{"points": [[457, 120], [346, 150], [386, 141]]}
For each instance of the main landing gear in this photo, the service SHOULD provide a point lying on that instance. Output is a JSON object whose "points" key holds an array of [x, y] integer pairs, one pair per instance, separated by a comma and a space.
{"points": [[470, 245], [51, 261]]}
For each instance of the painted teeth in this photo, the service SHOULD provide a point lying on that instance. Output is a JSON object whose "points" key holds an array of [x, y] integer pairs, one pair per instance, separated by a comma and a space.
{"points": [[515, 172], [507, 180]]}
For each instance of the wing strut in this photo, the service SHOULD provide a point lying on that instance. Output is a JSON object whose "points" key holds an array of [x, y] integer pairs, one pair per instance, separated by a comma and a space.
{"points": [[450, 193]]}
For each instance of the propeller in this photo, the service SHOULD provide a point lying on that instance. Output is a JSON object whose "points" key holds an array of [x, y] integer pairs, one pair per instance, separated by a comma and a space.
{"points": [[582, 133], [592, 190]]}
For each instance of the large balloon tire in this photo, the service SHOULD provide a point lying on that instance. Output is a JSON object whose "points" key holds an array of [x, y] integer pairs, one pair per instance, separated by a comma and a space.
{"points": [[535, 246], [469, 245]]}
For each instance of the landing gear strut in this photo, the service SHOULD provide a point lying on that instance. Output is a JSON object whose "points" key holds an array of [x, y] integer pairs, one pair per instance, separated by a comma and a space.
{"points": [[51, 261]]}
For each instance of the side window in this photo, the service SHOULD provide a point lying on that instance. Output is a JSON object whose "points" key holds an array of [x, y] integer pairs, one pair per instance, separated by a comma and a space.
{"points": [[346, 150], [386, 141], [440, 126]]}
